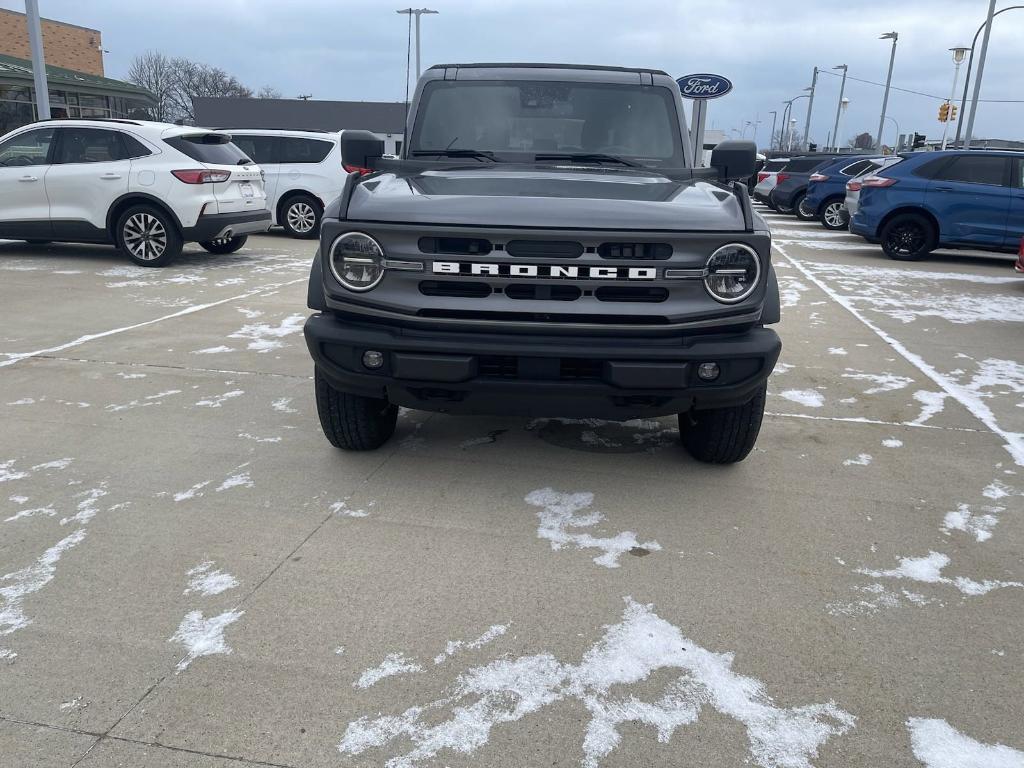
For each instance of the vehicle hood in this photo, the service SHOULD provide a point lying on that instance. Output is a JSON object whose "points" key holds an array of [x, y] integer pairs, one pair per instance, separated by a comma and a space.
{"points": [[556, 196]]}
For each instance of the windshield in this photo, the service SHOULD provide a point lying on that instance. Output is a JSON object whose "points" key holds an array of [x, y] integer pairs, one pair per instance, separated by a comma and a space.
{"points": [[518, 120]]}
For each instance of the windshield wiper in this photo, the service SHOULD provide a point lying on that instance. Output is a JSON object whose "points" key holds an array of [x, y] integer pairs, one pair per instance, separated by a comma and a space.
{"points": [[587, 157], [480, 154]]}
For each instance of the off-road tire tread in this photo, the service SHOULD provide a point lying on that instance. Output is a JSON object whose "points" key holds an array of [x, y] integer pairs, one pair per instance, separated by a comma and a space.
{"points": [[723, 435], [352, 422]]}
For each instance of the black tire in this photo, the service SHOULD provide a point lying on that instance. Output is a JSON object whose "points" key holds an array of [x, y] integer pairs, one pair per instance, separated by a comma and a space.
{"points": [[353, 422], [779, 207], [223, 245], [39, 242], [723, 435], [908, 237], [834, 214], [163, 243], [300, 216], [800, 211]]}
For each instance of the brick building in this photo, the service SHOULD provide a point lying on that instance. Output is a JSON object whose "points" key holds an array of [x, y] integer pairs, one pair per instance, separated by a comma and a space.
{"points": [[66, 45]]}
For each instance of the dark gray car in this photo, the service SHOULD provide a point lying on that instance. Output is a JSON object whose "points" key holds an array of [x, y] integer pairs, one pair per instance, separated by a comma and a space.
{"points": [[545, 247]]}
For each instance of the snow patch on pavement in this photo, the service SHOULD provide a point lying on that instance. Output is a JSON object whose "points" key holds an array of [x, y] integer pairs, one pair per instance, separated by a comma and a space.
{"points": [[558, 518], [454, 646], [263, 337], [343, 509], [202, 636], [937, 744], [928, 570], [931, 404], [892, 442], [18, 585], [393, 664], [213, 350], [207, 581], [882, 382], [861, 461], [283, 405], [218, 400], [809, 397], [978, 524], [508, 689]]}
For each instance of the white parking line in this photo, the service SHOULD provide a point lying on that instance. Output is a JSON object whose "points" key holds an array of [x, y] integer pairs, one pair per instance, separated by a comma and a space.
{"points": [[974, 404]]}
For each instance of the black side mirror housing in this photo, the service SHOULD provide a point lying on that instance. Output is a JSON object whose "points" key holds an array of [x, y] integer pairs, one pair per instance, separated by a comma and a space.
{"points": [[360, 150], [734, 159]]}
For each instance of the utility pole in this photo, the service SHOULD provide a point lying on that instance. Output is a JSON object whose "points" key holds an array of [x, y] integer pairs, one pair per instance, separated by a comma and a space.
{"points": [[810, 106], [958, 57], [417, 12], [35, 41], [839, 106], [771, 138], [981, 71], [894, 36]]}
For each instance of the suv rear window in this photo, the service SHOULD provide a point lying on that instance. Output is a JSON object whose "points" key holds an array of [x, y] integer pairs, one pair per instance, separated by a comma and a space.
{"points": [[805, 164], [295, 150], [774, 165], [212, 148]]}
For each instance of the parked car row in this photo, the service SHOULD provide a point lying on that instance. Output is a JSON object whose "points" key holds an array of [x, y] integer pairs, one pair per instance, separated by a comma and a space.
{"points": [[149, 188], [910, 204]]}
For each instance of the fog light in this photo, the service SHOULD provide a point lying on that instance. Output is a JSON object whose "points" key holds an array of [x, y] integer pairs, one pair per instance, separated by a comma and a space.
{"points": [[373, 359], [708, 371]]}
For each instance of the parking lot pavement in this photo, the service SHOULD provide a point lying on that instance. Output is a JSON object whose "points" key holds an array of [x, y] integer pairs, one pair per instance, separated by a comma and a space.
{"points": [[194, 577]]}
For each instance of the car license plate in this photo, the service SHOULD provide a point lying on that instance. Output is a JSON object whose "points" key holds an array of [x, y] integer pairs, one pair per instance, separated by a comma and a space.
{"points": [[246, 189]]}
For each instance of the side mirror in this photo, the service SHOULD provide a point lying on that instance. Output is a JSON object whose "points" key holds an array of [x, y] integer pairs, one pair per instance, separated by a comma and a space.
{"points": [[359, 150], [734, 159]]}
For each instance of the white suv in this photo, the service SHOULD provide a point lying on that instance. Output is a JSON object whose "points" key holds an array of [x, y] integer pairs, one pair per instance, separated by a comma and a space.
{"points": [[304, 172], [146, 187]]}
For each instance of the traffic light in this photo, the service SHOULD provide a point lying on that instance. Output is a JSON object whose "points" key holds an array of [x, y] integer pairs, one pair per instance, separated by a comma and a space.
{"points": [[944, 113], [952, 113], [919, 139]]}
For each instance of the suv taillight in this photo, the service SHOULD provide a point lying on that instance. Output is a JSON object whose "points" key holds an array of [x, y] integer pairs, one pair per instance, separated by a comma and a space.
{"points": [[356, 169], [781, 177], [877, 181], [818, 177], [853, 186], [201, 176], [761, 177]]}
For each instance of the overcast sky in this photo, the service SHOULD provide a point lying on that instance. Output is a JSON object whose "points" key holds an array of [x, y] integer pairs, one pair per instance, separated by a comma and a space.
{"points": [[335, 49]]}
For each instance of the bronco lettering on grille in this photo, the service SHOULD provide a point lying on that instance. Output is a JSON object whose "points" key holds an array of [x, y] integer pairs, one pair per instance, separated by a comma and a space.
{"points": [[546, 271]]}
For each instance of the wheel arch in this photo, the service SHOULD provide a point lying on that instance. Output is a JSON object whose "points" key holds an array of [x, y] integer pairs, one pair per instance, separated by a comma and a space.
{"points": [[915, 209], [126, 201], [284, 198]]}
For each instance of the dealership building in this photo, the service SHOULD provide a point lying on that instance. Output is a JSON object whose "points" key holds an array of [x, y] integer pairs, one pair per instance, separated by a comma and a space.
{"points": [[74, 72]]}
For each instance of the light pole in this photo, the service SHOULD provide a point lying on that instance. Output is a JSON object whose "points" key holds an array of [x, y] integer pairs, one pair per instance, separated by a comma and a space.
{"points": [[839, 106], [969, 130], [970, 62], [810, 106], [894, 36], [792, 130], [35, 41], [417, 12], [771, 139], [958, 57], [897, 133], [786, 118], [842, 115]]}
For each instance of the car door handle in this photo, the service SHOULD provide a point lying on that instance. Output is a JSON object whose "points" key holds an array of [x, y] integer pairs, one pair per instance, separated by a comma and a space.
{"points": [[943, 189], [29, 178], [111, 176]]}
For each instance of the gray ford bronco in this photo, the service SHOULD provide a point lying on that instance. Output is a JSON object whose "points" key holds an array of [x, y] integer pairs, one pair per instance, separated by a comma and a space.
{"points": [[544, 246]]}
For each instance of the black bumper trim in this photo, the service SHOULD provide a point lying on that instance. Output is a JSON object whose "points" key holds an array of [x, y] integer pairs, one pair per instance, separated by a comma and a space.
{"points": [[212, 224]]}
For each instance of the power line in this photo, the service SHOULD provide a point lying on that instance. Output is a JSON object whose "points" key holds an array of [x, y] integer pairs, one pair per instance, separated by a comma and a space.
{"points": [[918, 93]]}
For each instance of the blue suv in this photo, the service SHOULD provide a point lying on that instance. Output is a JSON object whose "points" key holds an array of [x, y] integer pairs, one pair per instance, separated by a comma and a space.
{"points": [[826, 189], [959, 199]]}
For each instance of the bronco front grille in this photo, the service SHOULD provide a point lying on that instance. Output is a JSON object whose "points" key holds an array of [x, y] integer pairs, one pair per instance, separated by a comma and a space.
{"points": [[544, 317]]}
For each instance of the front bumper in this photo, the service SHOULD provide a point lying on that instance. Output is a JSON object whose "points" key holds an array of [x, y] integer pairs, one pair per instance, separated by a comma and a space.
{"points": [[216, 225], [528, 375]]}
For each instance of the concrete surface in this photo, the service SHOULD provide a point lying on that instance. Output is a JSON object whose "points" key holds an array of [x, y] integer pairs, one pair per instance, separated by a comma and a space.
{"points": [[164, 481]]}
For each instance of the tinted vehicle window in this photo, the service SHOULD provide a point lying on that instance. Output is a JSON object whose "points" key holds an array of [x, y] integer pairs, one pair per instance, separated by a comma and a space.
{"points": [[29, 148], [929, 169], [774, 165], [294, 150], [857, 168], [134, 147], [258, 148], [972, 169], [89, 145], [212, 148], [805, 164]]}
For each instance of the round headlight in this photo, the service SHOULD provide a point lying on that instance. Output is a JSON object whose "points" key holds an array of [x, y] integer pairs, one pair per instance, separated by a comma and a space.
{"points": [[357, 261], [732, 273]]}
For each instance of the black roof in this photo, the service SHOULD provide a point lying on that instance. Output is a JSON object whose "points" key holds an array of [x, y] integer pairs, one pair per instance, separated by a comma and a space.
{"points": [[535, 65], [300, 115]]}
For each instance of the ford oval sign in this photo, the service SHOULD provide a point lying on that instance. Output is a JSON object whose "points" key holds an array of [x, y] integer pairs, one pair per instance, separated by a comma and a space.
{"points": [[704, 86]]}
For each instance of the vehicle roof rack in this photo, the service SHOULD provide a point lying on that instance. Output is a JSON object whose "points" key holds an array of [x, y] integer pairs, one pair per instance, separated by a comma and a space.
{"points": [[122, 120], [534, 65], [298, 130]]}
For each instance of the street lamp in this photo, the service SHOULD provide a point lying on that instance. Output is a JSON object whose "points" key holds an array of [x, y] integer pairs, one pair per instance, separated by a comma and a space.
{"points": [[771, 139], [969, 130], [810, 106], [897, 133], [792, 129], [417, 12], [959, 54], [839, 106], [842, 115], [894, 36]]}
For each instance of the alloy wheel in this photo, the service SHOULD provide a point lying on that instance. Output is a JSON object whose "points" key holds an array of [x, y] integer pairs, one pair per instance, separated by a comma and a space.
{"points": [[835, 215], [301, 217], [908, 238], [145, 236]]}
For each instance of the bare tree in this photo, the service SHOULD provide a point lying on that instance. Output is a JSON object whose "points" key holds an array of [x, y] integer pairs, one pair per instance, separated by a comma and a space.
{"points": [[155, 72], [268, 92], [786, 141]]}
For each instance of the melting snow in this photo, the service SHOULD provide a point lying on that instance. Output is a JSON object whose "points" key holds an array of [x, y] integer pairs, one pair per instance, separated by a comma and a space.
{"points": [[283, 405], [393, 664], [263, 337], [558, 517], [23, 401], [862, 460], [836, 351], [809, 397], [49, 511], [928, 569], [884, 382], [203, 637], [931, 404], [892, 442], [341, 508], [218, 400], [213, 350], [979, 525], [937, 744], [454, 646], [507, 689], [240, 479], [208, 582], [17, 585], [192, 492]]}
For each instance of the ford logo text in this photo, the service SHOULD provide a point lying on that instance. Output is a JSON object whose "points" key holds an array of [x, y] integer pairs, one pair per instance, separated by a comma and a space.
{"points": [[704, 86]]}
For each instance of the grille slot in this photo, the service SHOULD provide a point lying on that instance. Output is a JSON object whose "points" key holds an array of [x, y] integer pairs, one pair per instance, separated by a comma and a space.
{"points": [[498, 366], [543, 292], [544, 317], [646, 251], [581, 368], [455, 289], [650, 295], [544, 249], [459, 246]]}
